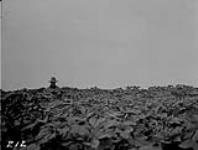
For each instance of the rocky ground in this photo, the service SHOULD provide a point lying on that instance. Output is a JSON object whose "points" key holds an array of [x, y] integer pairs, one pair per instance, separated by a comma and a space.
{"points": [[157, 118]]}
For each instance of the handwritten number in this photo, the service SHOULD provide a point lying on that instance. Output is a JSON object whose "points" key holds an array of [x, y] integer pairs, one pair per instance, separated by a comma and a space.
{"points": [[18, 144], [10, 144], [23, 144]]}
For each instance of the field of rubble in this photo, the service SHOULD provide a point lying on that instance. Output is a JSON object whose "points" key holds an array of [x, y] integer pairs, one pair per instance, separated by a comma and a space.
{"points": [[131, 118]]}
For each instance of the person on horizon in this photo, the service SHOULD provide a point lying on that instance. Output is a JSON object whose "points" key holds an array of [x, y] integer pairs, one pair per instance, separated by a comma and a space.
{"points": [[53, 82]]}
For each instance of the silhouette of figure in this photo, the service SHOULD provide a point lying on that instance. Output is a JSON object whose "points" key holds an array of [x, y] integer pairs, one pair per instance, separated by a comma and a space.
{"points": [[53, 82]]}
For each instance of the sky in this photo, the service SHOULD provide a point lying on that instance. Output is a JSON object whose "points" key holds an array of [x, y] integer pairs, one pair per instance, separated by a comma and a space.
{"points": [[103, 43]]}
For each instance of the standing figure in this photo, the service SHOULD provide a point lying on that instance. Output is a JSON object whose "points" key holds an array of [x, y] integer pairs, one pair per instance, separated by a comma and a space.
{"points": [[53, 82]]}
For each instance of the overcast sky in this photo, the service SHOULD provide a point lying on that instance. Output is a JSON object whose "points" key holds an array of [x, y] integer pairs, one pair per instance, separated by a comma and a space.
{"points": [[104, 43]]}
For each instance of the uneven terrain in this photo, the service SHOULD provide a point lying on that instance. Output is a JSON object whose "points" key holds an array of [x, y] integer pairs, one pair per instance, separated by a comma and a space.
{"points": [[157, 118]]}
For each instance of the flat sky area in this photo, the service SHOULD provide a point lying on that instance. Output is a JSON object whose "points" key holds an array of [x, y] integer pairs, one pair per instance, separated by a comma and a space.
{"points": [[103, 43]]}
